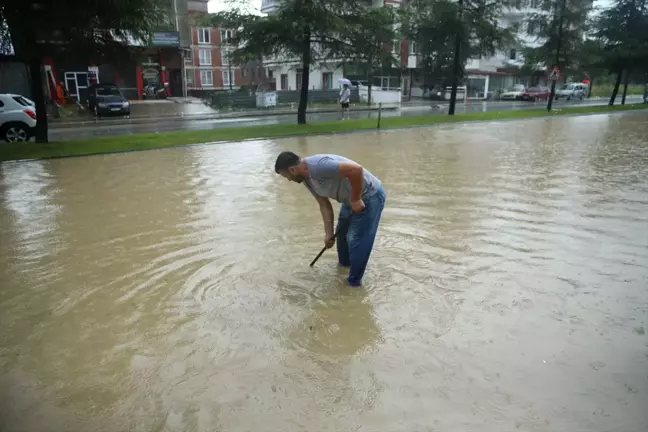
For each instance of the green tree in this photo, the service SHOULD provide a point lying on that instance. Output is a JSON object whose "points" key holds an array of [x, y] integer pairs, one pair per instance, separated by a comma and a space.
{"points": [[622, 29], [307, 31], [46, 27], [448, 33], [368, 38], [559, 26]]}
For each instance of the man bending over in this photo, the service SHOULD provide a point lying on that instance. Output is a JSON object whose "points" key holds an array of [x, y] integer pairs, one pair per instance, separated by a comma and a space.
{"points": [[360, 193]]}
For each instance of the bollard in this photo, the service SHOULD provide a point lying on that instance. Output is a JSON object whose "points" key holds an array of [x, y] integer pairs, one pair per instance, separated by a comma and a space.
{"points": [[379, 114]]}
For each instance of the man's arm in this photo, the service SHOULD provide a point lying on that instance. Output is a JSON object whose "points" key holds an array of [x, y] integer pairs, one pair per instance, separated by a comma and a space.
{"points": [[326, 209], [355, 173]]}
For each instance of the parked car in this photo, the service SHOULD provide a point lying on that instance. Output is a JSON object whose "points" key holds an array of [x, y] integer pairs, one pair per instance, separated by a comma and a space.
{"points": [[514, 93], [572, 91], [17, 118], [107, 99], [536, 93]]}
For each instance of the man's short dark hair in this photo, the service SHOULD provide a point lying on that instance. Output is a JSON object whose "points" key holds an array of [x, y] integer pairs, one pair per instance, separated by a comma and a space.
{"points": [[286, 160]]}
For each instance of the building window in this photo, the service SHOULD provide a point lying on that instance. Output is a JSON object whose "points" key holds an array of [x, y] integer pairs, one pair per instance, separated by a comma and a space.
{"points": [[205, 57], [206, 78], [189, 77], [270, 73], [188, 55], [227, 75], [412, 48], [204, 35], [225, 57], [244, 72], [298, 79], [512, 54], [226, 35], [284, 82], [327, 80], [395, 46]]}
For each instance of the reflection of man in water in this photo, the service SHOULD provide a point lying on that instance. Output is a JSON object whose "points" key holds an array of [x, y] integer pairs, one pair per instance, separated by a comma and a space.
{"points": [[362, 197]]}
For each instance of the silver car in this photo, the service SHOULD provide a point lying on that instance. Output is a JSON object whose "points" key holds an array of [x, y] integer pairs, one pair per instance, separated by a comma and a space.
{"points": [[572, 91]]}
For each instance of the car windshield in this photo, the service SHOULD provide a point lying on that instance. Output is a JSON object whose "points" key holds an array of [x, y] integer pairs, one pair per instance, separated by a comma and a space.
{"points": [[534, 89], [108, 91], [568, 87]]}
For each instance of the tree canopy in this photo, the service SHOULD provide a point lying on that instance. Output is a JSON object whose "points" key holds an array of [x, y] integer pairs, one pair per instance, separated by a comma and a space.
{"points": [[308, 32]]}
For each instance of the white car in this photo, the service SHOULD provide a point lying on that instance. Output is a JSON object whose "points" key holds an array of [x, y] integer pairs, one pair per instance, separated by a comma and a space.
{"points": [[513, 94], [17, 118]]}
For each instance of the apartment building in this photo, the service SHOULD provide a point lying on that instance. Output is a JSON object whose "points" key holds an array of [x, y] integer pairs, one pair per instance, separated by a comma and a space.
{"points": [[207, 64]]}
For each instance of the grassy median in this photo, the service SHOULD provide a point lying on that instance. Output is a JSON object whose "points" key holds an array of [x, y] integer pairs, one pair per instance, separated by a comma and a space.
{"points": [[147, 141]]}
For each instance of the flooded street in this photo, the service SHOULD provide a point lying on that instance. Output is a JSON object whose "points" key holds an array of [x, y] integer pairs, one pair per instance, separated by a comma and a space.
{"points": [[170, 290]]}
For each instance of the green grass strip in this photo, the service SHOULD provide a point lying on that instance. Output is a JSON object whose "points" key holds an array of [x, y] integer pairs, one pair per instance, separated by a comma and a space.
{"points": [[148, 141]]}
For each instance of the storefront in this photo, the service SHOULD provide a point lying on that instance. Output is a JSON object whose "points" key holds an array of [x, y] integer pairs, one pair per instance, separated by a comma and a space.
{"points": [[161, 63]]}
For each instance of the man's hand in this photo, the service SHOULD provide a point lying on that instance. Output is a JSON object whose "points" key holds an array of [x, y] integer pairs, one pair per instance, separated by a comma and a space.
{"points": [[357, 206], [329, 241]]}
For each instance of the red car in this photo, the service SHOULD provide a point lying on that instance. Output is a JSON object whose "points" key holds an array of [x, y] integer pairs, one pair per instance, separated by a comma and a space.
{"points": [[536, 93]]}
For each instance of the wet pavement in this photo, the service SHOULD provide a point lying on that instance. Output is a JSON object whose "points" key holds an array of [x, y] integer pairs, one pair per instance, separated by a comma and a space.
{"points": [[170, 290], [125, 126]]}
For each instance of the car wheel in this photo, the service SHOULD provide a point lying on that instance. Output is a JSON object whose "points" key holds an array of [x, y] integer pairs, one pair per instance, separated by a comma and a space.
{"points": [[582, 96], [16, 132], [569, 98]]}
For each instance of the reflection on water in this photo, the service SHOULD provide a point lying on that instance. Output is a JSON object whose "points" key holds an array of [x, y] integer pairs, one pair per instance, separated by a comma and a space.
{"points": [[170, 290]]}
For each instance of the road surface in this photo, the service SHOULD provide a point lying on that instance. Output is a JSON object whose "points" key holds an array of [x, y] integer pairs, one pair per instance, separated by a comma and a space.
{"points": [[68, 132]]}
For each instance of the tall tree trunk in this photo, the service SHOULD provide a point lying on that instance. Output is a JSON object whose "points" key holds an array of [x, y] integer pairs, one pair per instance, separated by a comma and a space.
{"points": [[25, 47], [617, 83], [558, 46], [625, 86], [411, 80], [456, 66], [36, 85], [589, 89], [306, 62]]}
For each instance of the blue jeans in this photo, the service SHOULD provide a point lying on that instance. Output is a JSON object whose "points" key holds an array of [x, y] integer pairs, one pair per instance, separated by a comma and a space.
{"points": [[355, 239]]}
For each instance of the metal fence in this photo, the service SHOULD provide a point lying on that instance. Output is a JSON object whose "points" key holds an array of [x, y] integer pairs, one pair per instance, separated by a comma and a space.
{"points": [[247, 100]]}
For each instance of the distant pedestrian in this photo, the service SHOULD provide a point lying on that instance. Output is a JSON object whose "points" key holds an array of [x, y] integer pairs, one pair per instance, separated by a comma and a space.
{"points": [[345, 97], [362, 197]]}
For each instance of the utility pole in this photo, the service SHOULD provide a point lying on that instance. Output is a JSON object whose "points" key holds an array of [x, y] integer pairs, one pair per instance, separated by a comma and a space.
{"points": [[183, 78], [456, 67], [558, 46]]}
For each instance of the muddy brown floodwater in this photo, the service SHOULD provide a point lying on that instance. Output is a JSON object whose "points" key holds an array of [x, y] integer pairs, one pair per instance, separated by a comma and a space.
{"points": [[170, 290]]}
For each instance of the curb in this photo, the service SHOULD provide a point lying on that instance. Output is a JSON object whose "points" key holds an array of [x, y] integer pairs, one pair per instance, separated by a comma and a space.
{"points": [[197, 117]]}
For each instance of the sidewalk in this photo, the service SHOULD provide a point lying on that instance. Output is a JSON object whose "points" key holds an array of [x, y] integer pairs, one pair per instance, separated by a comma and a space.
{"points": [[154, 111]]}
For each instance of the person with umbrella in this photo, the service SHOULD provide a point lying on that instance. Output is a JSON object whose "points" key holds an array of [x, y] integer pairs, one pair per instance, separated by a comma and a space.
{"points": [[345, 97]]}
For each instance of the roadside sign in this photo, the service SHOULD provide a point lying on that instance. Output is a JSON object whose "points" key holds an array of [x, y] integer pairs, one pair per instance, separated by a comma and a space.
{"points": [[555, 74]]}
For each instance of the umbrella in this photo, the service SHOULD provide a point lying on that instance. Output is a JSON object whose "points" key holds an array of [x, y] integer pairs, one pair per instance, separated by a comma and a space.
{"points": [[344, 81]]}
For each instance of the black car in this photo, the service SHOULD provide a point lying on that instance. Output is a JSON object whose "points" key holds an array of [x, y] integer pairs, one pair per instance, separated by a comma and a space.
{"points": [[106, 99]]}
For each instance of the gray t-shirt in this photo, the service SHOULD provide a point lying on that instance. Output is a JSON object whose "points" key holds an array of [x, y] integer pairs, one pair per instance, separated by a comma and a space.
{"points": [[324, 179]]}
